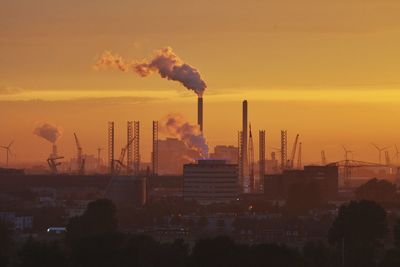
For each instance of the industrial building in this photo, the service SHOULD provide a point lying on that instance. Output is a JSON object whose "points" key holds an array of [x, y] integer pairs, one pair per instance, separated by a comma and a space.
{"points": [[277, 186], [127, 191], [210, 181]]}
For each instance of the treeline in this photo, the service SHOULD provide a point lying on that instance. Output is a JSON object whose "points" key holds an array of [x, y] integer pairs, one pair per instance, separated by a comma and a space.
{"points": [[356, 238]]}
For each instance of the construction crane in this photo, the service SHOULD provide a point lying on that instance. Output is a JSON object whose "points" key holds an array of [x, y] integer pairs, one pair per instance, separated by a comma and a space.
{"points": [[120, 162], [323, 158], [293, 155], [53, 164], [79, 157], [299, 163], [251, 152], [8, 151], [348, 165]]}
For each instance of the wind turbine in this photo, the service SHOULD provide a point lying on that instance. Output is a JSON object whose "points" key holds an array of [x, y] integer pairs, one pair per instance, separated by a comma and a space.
{"points": [[380, 149], [397, 153], [347, 152], [8, 150]]}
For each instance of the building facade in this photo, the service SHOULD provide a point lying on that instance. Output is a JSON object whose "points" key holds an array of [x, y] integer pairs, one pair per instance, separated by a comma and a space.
{"points": [[210, 181]]}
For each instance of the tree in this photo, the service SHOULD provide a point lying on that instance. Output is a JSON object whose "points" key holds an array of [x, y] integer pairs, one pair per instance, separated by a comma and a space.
{"points": [[6, 242], [376, 190], [219, 252], [35, 253], [358, 230], [98, 219]]}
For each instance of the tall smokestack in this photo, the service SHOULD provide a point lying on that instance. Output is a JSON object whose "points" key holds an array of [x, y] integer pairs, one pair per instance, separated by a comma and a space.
{"points": [[200, 113], [244, 162], [54, 154]]}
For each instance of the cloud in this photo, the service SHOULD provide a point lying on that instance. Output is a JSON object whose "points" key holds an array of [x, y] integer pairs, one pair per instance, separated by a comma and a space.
{"points": [[10, 90]]}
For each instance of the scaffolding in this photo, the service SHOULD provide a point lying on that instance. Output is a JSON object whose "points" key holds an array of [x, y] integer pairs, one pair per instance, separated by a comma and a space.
{"points": [[111, 147], [283, 149], [240, 160], [129, 148], [136, 148], [154, 154]]}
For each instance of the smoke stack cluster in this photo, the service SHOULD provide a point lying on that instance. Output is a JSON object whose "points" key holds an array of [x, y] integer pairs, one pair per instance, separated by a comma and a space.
{"points": [[165, 62], [48, 132], [175, 125]]}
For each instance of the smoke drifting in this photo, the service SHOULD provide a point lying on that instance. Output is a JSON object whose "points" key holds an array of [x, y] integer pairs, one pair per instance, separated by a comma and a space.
{"points": [[49, 132], [164, 61], [176, 126]]}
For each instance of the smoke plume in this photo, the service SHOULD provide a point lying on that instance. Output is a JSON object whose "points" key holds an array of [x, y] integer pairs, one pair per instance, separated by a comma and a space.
{"points": [[164, 61], [49, 132], [176, 126]]}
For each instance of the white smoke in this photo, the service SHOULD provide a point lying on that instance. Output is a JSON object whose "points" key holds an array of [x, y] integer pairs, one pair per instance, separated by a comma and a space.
{"points": [[176, 126], [164, 61], [49, 132]]}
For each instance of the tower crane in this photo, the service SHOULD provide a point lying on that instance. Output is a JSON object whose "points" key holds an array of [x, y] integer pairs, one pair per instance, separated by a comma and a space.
{"points": [[120, 162], [79, 157]]}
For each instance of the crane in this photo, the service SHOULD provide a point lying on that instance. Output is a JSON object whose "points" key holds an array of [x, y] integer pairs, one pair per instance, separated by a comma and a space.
{"points": [[53, 164], [293, 155], [79, 158], [120, 162], [299, 163], [251, 152]]}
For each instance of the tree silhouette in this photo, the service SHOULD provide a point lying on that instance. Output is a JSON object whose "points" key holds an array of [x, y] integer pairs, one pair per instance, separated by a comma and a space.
{"points": [[377, 190], [358, 230]]}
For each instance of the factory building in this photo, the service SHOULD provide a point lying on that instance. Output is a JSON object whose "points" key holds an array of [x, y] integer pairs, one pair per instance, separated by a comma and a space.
{"points": [[210, 181], [127, 191], [277, 186], [229, 153]]}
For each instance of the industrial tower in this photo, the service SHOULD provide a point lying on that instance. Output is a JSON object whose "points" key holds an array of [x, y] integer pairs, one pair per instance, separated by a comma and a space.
{"points": [[243, 153], [283, 149], [261, 162], [240, 162], [136, 147], [111, 146], [154, 153], [129, 149]]}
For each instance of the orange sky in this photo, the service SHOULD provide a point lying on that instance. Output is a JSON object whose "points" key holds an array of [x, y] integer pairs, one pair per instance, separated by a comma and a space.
{"points": [[327, 70]]}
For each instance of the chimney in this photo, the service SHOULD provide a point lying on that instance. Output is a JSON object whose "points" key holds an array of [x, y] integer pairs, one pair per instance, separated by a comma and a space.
{"points": [[243, 150], [200, 112], [54, 154]]}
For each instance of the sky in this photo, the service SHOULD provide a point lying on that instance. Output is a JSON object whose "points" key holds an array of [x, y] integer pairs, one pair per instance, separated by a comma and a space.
{"points": [[327, 70]]}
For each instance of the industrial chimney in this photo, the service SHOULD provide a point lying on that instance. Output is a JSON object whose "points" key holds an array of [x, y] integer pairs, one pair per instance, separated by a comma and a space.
{"points": [[54, 151], [200, 112]]}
